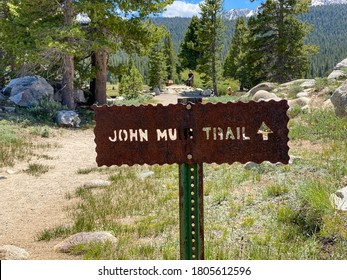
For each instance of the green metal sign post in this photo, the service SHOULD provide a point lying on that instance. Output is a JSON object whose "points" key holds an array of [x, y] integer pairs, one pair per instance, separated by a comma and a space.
{"points": [[191, 206], [191, 211]]}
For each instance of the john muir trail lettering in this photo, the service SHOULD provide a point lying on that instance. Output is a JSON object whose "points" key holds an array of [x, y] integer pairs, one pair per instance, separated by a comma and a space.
{"points": [[171, 134], [220, 133]]}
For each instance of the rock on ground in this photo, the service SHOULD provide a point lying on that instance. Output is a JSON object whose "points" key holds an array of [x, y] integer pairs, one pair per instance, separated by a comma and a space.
{"points": [[97, 183], [28, 91], [309, 83], [146, 174], [337, 74], [264, 95], [262, 86], [206, 92], [339, 199], [157, 91], [341, 64], [339, 100], [302, 102], [250, 165], [291, 83], [84, 238], [10, 252], [303, 94], [68, 118]]}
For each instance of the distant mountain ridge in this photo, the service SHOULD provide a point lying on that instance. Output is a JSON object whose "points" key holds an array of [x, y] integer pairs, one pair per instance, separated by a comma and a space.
{"points": [[329, 33], [235, 13], [327, 2]]}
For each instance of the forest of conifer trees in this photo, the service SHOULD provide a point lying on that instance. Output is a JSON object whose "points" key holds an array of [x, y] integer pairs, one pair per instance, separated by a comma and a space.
{"points": [[329, 34]]}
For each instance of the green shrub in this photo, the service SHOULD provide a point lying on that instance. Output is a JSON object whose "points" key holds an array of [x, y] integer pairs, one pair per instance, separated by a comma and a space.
{"points": [[40, 131], [48, 234], [294, 89], [276, 190], [45, 111], [131, 83], [224, 84], [294, 111], [321, 83]]}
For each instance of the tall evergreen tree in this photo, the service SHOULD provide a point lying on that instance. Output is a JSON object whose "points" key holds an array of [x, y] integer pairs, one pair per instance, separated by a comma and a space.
{"points": [[116, 25], [157, 65], [189, 49], [210, 41], [4, 14], [45, 40], [235, 65], [131, 83], [278, 52], [170, 57]]}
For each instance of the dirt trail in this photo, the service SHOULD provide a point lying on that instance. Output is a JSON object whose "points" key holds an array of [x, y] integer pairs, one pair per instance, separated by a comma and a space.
{"points": [[30, 204], [175, 92]]}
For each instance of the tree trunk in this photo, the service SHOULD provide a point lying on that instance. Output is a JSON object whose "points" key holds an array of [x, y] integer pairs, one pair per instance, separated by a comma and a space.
{"points": [[213, 55], [68, 62], [101, 76], [67, 82], [2, 74], [92, 83], [280, 71]]}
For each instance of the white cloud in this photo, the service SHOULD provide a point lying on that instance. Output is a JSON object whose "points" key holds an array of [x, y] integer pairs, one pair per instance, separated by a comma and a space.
{"points": [[181, 9]]}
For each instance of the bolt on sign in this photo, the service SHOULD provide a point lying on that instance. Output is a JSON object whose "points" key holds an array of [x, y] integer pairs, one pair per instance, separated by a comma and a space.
{"points": [[192, 133]]}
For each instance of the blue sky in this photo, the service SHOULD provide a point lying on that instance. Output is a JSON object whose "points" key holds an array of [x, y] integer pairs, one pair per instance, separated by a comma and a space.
{"points": [[188, 8]]}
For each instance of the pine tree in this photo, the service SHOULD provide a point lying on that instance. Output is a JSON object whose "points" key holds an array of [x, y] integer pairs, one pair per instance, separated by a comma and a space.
{"points": [[46, 38], [235, 65], [189, 49], [157, 66], [131, 83], [210, 42], [171, 59], [278, 52], [116, 25]]}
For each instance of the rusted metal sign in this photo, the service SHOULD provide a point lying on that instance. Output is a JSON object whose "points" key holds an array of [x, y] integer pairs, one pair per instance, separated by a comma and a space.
{"points": [[192, 133]]}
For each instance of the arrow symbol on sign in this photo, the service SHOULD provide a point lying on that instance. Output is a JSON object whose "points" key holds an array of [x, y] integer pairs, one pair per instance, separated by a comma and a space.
{"points": [[264, 130]]}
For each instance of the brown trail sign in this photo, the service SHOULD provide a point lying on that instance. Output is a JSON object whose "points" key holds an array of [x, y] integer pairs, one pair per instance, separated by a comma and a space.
{"points": [[191, 134]]}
